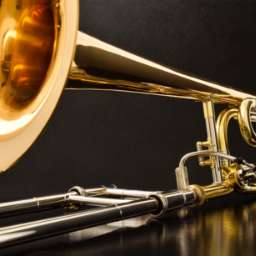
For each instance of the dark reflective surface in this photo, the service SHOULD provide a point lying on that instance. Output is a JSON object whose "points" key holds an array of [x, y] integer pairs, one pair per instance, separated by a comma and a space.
{"points": [[224, 227]]}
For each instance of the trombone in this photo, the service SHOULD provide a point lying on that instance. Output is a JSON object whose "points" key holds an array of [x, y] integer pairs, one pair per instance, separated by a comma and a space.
{"points": [[42, 53]]}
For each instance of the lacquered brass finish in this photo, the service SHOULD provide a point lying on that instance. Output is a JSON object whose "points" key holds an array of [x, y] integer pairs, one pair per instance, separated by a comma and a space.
{"points": [[28, 39], [105, 67], [246, 119], [222, 131], [38, 40], [222, 127], [29, 35], [41, 48]]}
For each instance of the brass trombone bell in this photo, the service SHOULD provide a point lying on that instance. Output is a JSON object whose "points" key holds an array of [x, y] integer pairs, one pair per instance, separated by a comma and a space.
{"points": [[38, 42], [37, 48], [41, 48]]}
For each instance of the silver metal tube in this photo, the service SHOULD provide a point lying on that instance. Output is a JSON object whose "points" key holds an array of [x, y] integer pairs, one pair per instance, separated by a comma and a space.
{"points": [[186, 157], [130, 193], [37, 203], [27, 232], [11, 208], [209, 115], [182, 176], [97, 201]]}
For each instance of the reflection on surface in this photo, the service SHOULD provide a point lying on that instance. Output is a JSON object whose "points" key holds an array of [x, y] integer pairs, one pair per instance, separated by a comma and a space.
{"points": [[209, 231], [225, 232]]}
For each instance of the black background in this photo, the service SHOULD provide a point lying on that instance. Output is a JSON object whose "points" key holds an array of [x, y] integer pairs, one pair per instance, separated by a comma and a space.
{"points": [[135, 141]]}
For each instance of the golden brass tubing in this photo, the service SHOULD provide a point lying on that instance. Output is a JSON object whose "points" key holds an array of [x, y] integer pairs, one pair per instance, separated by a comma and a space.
{"points": [[39, 40], [105, 67], [205, 193], [246, 118], [222, 131], [218, 190], [209, 115], [48, 29]]}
